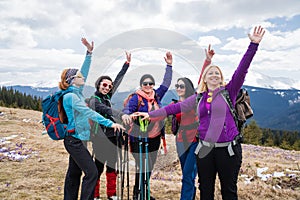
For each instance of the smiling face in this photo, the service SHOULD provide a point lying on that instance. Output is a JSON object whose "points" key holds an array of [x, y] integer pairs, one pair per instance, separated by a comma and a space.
{"points": [[213, 77], [105, 86], [180, 89], [147, 85]]}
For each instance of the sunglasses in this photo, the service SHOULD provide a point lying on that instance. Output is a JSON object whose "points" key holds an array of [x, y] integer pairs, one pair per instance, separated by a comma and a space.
{"points": [[77, 75], [181, 86], [106, 85], [147, 83]]}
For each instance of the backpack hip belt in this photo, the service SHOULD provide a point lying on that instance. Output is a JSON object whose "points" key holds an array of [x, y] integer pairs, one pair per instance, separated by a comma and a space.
{"points": [[218, 145]]}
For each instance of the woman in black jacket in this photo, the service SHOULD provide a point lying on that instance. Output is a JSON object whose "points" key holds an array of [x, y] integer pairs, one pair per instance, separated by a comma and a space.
{"points": [[105, 140]]}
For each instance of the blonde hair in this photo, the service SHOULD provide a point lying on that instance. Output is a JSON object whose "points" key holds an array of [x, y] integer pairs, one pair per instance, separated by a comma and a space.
{"points": [[202, 87], [63, 85]]}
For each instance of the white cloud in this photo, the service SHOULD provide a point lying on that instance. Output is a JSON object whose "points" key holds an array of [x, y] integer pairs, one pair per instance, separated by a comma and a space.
{"points": [[205, 40], [35, 35]]}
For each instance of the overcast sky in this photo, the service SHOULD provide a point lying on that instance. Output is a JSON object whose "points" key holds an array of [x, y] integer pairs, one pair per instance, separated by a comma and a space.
{"points": [[39, 38]]}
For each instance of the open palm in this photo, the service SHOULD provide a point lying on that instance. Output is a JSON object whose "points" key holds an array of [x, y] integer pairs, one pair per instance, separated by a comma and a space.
{"points": [[257, 35]]}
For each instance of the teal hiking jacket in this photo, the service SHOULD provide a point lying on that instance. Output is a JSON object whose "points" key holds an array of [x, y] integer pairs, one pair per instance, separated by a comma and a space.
{"points": [[78, 112]]}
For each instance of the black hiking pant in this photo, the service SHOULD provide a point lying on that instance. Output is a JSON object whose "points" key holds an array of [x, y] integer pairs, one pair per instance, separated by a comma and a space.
{"points": [[218, 161], [80, 160]]}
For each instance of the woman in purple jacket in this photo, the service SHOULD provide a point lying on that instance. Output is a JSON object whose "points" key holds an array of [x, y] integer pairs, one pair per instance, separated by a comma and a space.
{"points": [[218, 150]]}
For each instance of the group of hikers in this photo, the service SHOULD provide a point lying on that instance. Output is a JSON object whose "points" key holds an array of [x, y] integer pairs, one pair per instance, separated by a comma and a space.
{"points": [[206, 133]]}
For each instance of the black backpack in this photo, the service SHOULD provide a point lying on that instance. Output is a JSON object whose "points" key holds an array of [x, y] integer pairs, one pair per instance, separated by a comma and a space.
{"points": [[242, 109]]}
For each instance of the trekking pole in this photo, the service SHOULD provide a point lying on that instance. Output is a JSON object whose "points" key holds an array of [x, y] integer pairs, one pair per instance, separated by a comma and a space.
{"points": [[146, 181], [147, 168], [119, 160], [140, 169], [125, 164], [127, 158]]}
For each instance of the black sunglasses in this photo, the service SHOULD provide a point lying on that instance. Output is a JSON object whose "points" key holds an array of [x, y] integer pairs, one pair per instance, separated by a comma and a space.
{"points": [[147, 83], [181, 86], [106, 85]]}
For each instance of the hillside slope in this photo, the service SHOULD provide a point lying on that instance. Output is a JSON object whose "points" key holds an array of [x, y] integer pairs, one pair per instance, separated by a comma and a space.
{"points": [[35, 166]]}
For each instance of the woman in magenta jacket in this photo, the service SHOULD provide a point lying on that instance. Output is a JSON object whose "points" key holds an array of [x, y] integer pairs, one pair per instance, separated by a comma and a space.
{"points": [[218, 152], [184, 126]]}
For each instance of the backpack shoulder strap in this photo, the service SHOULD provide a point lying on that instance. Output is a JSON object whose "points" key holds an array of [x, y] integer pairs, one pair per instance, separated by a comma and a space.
{"points": [[199, 97], [198, 100], [59, 94], [61, 110], [96, 97], [225, 95], [140, 101]]}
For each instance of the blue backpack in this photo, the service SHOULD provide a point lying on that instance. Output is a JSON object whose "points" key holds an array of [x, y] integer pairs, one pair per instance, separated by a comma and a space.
{"points": [[54, 116]]}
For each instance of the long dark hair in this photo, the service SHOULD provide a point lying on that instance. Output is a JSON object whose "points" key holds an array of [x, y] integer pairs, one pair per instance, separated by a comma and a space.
{"points": [[189, 87]]}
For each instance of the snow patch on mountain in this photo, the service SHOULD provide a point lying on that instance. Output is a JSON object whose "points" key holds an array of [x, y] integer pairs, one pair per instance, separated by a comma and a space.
{"points": [[260, 80]]}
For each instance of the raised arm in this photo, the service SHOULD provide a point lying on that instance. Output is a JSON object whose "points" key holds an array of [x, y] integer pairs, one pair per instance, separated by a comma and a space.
{"points": [[239, 75], [168, 75], [121, 74], [87, 62], [89, 46], [163, 88], [209, 55]]}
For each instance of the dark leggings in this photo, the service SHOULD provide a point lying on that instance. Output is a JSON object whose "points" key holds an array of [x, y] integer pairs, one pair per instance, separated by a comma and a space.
{"points": [[106, 151], [80, 160], [218, 161]]}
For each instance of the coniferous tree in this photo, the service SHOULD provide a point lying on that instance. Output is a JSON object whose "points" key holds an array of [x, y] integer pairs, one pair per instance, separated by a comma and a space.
{"points": [[252, 133], [276, 138], [267, 137], [296, 145], [285, 145], [15, 99]]}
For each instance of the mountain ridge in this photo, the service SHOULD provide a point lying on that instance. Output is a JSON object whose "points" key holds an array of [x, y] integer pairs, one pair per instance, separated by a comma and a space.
{"points": [[273, 108]]}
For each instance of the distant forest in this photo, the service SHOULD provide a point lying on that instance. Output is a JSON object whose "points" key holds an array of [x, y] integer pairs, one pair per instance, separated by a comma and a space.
{"points": [[14, 99], [252, 133]]}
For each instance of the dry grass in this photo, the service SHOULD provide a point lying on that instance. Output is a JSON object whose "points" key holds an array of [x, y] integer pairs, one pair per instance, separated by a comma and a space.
{"points": [[41, 175]]}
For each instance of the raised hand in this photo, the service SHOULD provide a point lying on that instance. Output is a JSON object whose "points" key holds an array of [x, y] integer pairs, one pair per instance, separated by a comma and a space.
{"points": [[89, 46], [257, 35], [128, 56], [209, 53], [168, 58]]}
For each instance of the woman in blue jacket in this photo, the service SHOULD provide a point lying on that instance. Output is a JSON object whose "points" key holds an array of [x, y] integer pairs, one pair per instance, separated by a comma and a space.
{"points": [[219, 151], [80, 160], [144, 100]]}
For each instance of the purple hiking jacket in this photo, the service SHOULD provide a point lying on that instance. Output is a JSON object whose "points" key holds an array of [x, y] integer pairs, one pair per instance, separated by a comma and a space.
{"points": [[217, 123]]}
